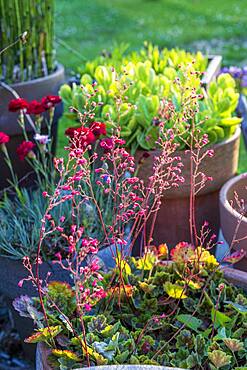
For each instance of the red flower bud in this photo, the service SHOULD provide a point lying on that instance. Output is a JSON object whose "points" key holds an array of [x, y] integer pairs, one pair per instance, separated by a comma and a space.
{"points": [[24, 149], [35, 107], [50, 101], [4, 138]]}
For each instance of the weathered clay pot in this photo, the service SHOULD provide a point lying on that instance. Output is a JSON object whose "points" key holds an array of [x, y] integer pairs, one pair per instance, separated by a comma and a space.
{"points": [[234, 276], [29, 90], [172, 223], [229, 214]]}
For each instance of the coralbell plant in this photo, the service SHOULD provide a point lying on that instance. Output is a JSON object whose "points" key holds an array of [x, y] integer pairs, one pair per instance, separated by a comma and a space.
{"points": [[161, 308]]}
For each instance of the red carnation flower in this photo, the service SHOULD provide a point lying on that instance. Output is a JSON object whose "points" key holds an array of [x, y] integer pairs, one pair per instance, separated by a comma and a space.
{"points": [[35, 107], [80, 137], [98, 128], [25, 149], [50, 101], [3, 138], [71, 131], [17, 104]]}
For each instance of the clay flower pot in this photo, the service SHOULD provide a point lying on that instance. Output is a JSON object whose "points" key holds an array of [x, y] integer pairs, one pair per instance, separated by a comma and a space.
{"points": [[172, 223], [229, 214], [29, 90]]}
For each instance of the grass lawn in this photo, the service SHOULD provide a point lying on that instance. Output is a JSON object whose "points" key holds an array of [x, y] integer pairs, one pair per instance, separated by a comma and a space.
{"points": [[84, 28]]}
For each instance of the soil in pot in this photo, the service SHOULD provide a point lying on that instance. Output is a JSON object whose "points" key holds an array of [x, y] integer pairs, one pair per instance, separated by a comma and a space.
{"points": [[172, 224], [30, 90], [230, 215]]}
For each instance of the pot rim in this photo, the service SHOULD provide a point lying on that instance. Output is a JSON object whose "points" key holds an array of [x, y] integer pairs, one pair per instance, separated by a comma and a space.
{"points": [[223, 196], [59, 70]]}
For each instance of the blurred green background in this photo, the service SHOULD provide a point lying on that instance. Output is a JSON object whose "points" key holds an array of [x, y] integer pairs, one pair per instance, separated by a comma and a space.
{"points": [[84, 28]]}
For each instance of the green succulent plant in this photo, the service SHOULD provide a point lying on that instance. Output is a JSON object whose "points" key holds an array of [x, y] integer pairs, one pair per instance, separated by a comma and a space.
{"points": [[144, 80]]}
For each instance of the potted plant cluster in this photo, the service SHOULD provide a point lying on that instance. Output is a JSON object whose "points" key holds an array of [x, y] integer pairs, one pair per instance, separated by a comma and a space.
{"points": [[164, 308], [27, 68], [152, 74]]}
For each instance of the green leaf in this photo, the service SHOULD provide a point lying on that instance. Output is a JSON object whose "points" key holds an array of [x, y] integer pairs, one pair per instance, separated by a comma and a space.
{"points": [[122, 357], [221, 334], [103, 349], [234, 344], [123, 265], [66, 93], [174, 291], [147, 262], [219, 358], [238, 307], [190, 321], [44, 335], [110, 330], [219, 318], [230, 121]]}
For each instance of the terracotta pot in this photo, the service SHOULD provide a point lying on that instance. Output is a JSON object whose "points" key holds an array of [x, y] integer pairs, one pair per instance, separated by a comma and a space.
{"points": [[236, 277], [172, 224], [30, 90], [229, 214]]}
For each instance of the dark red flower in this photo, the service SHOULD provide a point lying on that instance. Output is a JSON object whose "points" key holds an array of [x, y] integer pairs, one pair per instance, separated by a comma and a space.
{"points": [[98, 128], [35, 107], [50, 101], [16, 104], [24, 149], [71, 131], [3, 138], [107, 144], [80, 137]]}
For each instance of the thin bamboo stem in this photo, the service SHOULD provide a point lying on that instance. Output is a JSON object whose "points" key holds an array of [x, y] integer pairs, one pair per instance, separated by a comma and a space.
{"points": [[22, 61]]}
